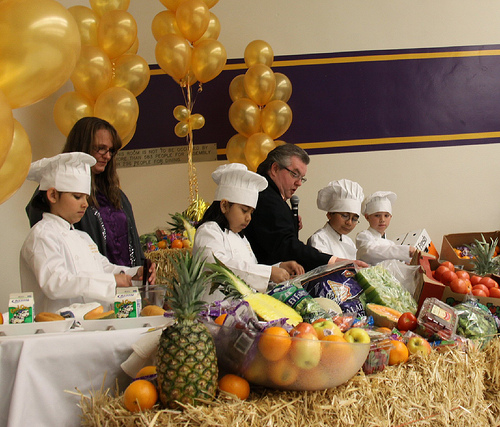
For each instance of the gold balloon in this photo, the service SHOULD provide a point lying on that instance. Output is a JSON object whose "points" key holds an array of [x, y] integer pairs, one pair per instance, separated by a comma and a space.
{"points": [[235, 149], [116, 32], [17, 164], [69, 108], [257, 148], [258, 52], [260, 83], [134, 48], [103, 6], [131, 72], [173, 55], [181, 129], [276, 118], [6, 127], [164, 23], [283, 90], [192, 17], [171, 4], [237, 88], [211, 3], [119, 107], [128, 137], [189, 79], [213, 30], [279, 142], [39, 47], [87, 20], [93, 72], [244, 116], [181, 113], [196, 121], [209, 58]]}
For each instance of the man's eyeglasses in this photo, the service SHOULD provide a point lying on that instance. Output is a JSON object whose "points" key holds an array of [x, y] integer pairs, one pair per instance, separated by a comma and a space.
{"points": [[295, 175], [103, 150], [346, 217]]}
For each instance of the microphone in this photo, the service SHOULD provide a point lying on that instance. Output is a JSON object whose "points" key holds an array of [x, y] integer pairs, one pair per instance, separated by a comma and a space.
{"points": [[294, 201]]}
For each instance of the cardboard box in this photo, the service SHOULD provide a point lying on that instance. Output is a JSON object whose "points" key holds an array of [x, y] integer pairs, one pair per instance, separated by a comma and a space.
{"points": [[21, 308], [419, 239], [451, 241], [452, 298]]}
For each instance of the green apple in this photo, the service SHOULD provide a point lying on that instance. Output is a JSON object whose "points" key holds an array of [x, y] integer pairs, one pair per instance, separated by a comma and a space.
{"points": [[357, 335], [418, 345], [325, 327], [305, 351]]}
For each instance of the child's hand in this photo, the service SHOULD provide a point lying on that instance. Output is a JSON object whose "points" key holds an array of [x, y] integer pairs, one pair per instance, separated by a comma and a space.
{"points": [[152, 274], [412, 250], [279, 275], [123, 280], [293, 268]]}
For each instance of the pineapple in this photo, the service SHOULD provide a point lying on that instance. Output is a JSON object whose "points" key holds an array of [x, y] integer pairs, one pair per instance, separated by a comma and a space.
{"points": [[187, 362], [481, 253], [182, 224], [265, 306]]}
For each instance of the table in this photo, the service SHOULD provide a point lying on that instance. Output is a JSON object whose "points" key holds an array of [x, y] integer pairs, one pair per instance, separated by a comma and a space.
{"points": [[35, 371]]}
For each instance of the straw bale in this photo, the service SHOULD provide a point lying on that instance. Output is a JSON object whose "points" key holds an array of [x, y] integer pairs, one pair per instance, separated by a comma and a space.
{"points": [[448, 388], [164, 268]]}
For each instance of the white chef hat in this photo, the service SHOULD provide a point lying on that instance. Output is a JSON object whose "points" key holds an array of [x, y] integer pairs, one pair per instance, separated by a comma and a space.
{"points": [[237, 184], [341, 196], [67, 172], [380, 201]]}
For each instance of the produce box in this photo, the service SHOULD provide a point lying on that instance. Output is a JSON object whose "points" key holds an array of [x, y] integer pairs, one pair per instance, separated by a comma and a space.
{"points": [[452, 298], [451, 241], [419, 239]]}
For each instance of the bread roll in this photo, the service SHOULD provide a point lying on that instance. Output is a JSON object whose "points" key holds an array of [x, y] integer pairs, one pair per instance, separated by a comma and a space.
{"points": [[47, 317], [94, 314], [152, 310]]}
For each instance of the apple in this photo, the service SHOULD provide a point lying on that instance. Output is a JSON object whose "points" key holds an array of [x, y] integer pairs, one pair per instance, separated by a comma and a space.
{"points": [[303, 328], [357, 335], [325, 328], [305, 351], [418, 345]]}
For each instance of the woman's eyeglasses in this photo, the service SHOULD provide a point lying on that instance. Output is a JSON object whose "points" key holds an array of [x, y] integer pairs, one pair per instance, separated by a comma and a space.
{"points": [[103, 150]]}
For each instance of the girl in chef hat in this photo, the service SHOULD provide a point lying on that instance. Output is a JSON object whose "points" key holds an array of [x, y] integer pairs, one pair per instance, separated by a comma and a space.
{"points": [[221, 231], [372, 244], [59, 264], [342, 202]]}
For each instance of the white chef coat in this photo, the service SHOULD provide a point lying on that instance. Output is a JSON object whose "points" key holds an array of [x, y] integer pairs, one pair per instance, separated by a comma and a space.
{"points": [[63, 266], [374, 248], [328, 241], [235, 252]]}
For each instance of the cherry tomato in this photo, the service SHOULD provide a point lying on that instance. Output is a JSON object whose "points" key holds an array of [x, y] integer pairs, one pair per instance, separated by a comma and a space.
{"points": [[488, 282], [407, 322], [494, 293], [483, 288], [449, 265]]}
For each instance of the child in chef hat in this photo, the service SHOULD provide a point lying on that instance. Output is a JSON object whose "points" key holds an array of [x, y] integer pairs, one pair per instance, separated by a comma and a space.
{"points": [[342, 202], [221, 231], [372, 244], [60, 265]]}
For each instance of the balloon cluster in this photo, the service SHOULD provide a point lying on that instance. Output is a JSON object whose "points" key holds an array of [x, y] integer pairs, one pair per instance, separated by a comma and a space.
{"points": [[109, 74], [259, 112], [39, 47]]}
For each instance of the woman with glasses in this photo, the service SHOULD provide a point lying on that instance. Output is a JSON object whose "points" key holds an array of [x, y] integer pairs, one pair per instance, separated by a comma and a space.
{"points": [[342, 202], [109, 219]]}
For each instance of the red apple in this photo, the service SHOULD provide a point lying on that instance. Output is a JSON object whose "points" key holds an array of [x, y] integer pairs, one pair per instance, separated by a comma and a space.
{"points": [[303, 328], [305, 351], [418, 345], [357, 335], [325, 328]]}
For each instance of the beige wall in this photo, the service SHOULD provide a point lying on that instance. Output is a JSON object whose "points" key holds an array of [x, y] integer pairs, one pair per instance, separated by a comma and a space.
{"points": [[443, 190]]}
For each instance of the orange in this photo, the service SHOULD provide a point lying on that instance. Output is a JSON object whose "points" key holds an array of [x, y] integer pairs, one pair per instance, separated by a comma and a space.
{"points": [[146, 371], [177, 244], [162, 244], [186, 243], [140, 395], [235, 385], [220, 319], [335, 353], [274, 343], [399, 353], [256, 372], [1, 319], [283, 372]]}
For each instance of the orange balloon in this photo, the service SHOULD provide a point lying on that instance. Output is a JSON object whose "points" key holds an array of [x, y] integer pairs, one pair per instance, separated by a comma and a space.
{"points": [[237, 88], [257, 148], [235, 149], [173, 55], [244, 116], [258, 52], [6, 127], [87, 20], [283, 90], [116, 32], [164, 23], [103, 6], [69, 108], [119, 107], [193, 17], [131, 72], [213, 30], [260, 83], [276, 118], [209, 58]]}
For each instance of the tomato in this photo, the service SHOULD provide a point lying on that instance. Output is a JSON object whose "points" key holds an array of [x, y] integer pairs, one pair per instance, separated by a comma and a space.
{"points": [[448, 276], [439, 271], [488, 282], [462, 274], [494, 292], [483, 288], [407, 322], [479, 293], [449, 265], [475, 279], [459, 286]]}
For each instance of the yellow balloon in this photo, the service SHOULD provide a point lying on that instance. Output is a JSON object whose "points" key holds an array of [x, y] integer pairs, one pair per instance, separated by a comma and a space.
{"points": [[258, 52], [260, 83], [211, 3], [279, 142], [134, 48], [244, 116], [189, 79], [237, 88], [192, 17], [235, 149], [39, 47], [196, 121], [128, 137], [209, 58], [103, 6], [6, 127], [256, 149], [181, 113], [276, 118], [17, 164], [213, 30], [173, 55], [87, 20], [171, 4], [69, 108], [283, 90], [116, 32], [131, 72], [164, 23], [119, 107], [181, 129], [93, 72]]}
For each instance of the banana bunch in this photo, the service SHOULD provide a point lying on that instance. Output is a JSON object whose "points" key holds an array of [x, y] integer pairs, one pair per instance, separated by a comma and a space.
{"points": [[196, 210]]}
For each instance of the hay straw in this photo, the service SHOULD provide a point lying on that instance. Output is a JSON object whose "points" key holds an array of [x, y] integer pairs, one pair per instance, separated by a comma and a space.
{"points": [[448, 388], [164, 268]]}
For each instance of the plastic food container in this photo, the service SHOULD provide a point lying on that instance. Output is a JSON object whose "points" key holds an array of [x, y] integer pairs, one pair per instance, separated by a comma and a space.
{"points": [[437, 320], [307, 365]]}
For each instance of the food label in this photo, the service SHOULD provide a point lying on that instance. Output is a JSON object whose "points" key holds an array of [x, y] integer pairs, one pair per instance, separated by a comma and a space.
{"points": [[21, 308], [127, 303]]}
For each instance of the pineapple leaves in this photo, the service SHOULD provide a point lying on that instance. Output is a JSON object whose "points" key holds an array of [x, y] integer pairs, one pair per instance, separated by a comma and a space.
{"points": [[482, 256], [230, 284]]}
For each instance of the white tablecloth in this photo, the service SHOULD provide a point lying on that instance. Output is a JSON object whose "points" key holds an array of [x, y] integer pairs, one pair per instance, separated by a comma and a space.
{"points": [[36, 370]]}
